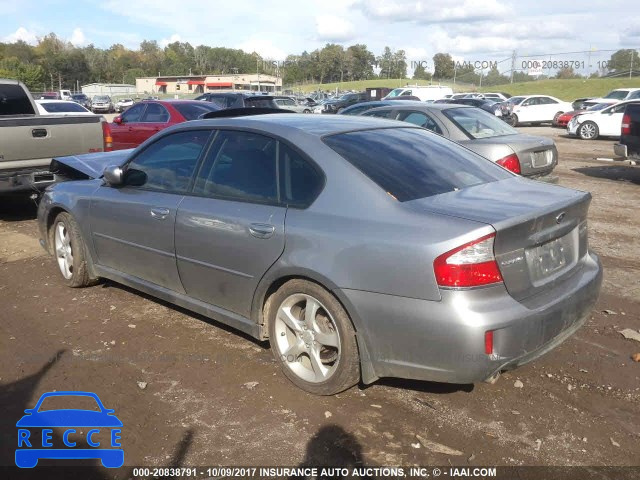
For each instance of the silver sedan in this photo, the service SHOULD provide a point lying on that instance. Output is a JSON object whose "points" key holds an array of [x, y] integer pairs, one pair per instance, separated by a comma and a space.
{"points": [[527, 155], [360, 248]]}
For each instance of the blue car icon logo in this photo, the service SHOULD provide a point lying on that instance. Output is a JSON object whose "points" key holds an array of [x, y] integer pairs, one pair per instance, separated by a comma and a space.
{"points": [[101, 431]]}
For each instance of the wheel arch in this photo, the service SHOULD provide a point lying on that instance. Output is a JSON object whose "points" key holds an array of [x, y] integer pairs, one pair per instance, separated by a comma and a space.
{"points": [[271, 282]]}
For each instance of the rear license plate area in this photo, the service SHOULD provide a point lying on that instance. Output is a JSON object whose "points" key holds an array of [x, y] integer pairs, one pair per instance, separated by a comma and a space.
{"points": [[541, 159], [551, 259]]}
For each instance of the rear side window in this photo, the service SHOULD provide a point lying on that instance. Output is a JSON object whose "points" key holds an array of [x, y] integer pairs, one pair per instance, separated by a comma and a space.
{"points": [[300, 183], [421, 119], [155, 113], [192, 111], [410, 163], [14, 101]]}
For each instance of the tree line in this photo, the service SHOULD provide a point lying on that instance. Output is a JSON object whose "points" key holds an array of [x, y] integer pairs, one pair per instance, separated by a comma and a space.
{"points": [[53, 63]]}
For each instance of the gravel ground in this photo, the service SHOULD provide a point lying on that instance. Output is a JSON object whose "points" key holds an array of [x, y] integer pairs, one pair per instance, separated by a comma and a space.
{"points": [[212, 396]]}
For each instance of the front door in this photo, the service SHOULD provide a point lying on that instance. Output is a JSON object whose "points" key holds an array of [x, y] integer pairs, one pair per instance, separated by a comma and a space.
{"points": [[132, 226], [124, 133]]}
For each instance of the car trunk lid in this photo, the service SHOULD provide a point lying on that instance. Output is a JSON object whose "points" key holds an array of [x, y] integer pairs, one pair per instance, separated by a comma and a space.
{"points": [[537, 155], [541, 230]]}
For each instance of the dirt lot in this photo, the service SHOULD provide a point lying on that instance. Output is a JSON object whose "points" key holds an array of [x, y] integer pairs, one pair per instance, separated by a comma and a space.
{"points": [[214, 397]]}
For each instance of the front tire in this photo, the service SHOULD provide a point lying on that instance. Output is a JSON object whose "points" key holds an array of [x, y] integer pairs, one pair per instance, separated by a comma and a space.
{"points": [[312, 338], [512, 120], [588, 131], [69, 250]]}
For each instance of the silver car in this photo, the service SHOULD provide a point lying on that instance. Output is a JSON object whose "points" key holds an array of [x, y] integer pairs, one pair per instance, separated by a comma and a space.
{"points": [[288, 103], [360, 248], [527, 155]]}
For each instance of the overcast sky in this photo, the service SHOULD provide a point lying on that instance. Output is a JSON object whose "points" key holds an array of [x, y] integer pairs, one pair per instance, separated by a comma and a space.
{"points": [[468, 29]]}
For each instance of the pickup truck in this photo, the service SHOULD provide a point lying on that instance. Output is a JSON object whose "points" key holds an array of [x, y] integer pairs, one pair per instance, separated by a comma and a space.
{"points": [[29, 141], [629, 145]]}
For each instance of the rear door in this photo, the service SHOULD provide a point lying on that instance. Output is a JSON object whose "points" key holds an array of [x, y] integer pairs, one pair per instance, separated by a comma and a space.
{"points": [[421, 119], [230, 229], [124, 133]]}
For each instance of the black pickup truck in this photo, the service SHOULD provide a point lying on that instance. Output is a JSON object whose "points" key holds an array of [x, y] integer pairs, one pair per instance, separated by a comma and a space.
{"points": [[629, 145]]}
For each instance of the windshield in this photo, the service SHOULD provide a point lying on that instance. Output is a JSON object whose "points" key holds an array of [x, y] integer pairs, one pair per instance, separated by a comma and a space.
{"points": [[396, 92], [618, 94], [477, 123], [101, 99], [79, 97], [516, 100], [63, 107]]}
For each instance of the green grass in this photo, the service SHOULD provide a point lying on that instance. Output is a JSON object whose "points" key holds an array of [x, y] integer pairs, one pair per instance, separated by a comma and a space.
{"points": [[566, 89], [563, 89]]}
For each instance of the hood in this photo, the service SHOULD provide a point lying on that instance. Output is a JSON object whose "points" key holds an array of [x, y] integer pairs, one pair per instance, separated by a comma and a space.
{"points": [[91, 164]]}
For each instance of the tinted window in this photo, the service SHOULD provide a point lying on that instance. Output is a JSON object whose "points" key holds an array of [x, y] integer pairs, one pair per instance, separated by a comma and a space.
{"points": [[409, 163], [134, 113], [356, 110], [155, 113], [258, 102], [169, 163], [617, 94], [421, 119], [300, 183], [14, 101], [192, 111], [241, 166]]}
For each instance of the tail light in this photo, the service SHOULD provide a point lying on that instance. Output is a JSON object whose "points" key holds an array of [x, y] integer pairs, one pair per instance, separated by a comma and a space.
{"points": [[106, 137], [470, 265], [488, 342], [626, 124], [510, 162]]}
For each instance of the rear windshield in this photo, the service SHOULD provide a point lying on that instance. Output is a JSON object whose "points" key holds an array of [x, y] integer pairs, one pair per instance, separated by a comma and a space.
{"points": [[259, 102], [411, 163], [192, 111], [63, 107], [14, 101], [477, 123]]}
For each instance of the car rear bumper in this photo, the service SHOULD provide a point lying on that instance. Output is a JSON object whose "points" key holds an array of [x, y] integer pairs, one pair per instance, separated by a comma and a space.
{"points": [[445, 341], [28, 180]]}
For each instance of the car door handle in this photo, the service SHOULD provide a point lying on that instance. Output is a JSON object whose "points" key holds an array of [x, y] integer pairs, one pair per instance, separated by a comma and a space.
{"points": [[39, 132], [159, 213], [261, 230]]}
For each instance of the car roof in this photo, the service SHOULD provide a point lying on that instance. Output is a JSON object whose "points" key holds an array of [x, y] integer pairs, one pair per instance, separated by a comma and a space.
{"points": [[313, 125], [50, 100]]}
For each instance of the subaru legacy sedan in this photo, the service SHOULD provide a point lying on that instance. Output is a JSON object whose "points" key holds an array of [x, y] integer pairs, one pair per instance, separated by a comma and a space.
{"points": [[360, 248]]}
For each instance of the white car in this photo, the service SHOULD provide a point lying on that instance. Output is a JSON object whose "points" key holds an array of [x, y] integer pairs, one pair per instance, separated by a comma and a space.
{"points": [[61, 107], [123, 104], [592, 124], [619, 95], [537, 108]]}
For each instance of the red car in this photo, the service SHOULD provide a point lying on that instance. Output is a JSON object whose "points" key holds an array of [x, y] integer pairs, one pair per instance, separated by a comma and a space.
{"points": [[562, 120], [144, 119]]}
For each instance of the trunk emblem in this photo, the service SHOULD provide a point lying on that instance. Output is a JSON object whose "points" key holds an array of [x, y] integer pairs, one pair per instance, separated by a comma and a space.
{"points": [[560, 217]]}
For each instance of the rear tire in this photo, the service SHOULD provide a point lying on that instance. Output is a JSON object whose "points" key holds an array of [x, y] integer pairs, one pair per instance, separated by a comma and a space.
{"points": [[317, 352], [588, 131], [512, 120], [69, 251]]}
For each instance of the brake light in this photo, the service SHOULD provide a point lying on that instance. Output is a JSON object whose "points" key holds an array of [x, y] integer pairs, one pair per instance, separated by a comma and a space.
{"points": [[470, 265], [510, 162], [626, 124], [106, 137]]}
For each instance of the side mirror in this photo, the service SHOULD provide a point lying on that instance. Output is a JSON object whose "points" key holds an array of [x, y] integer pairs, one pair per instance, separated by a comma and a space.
{"points": [[113, 175], [118, 120]]}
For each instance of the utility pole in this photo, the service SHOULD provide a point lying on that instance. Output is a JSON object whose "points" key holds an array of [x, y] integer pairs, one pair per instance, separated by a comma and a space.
{"points": [[60, 81], [513, 64], [633, 52]]}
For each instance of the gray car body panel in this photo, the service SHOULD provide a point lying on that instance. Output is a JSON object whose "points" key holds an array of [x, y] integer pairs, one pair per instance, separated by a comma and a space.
{"points": [[493, 148], [374, 253]]}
